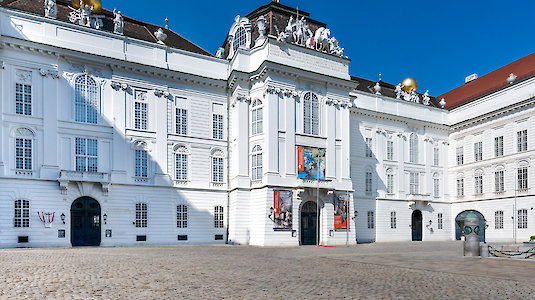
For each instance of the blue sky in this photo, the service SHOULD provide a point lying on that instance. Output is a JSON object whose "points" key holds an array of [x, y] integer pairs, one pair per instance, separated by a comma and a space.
{"points": [[437, 42]]}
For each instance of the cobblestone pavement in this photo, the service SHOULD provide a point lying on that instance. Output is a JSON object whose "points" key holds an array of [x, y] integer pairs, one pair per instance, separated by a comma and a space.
{"points": [[375, 271]]}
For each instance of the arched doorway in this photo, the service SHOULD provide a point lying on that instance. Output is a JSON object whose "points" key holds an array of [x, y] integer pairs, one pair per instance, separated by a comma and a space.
{"points": [[460, 219], [85, 222], [309, 223], [416, 226]]}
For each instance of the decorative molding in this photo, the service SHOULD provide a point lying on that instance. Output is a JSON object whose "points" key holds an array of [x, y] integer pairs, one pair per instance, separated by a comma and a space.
{"points": [[117, 85], [54, 74]]}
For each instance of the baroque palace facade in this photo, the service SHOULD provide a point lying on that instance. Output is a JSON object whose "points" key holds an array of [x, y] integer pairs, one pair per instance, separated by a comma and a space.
{"points": [[120, 132]]}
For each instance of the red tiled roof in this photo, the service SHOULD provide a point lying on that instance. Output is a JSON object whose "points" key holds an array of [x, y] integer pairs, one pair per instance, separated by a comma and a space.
{"points": [[488, 83]]}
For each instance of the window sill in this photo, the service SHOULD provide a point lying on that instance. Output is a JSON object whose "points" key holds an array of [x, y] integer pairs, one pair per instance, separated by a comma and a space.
{"points": [[140, 179], [23, 173], [181, 182], [217, 184]]}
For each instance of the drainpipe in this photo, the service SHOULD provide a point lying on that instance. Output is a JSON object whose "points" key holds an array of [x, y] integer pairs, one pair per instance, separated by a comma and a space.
{"points": [[228, 161]]}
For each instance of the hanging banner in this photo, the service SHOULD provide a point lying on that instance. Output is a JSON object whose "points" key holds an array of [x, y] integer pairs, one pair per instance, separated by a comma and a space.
{"points": [[310, 163], [341, 210], [282, 209]]}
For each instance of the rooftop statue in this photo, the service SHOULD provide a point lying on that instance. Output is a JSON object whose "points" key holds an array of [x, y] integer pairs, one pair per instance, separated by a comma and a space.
{"points": [[118, 22], [51, 9]]}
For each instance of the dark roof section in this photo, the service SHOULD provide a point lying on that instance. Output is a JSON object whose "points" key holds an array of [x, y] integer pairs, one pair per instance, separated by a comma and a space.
{"points": [[387, 89], [523, 68], [132, 28]]}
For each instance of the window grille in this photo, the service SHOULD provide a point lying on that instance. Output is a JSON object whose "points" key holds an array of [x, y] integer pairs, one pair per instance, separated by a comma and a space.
{"points": [[522, 219], [256, 163], [522, 178], [389, 183], [393, 220], [23, 154], [478, 151], [140, 115], [23, 99], [86, 152], [181, 121], [436, 187], [499, 185], [436, 156], [86, 100], [182, 216], [22, 213], [217, 126], [522, 140], [371, 224], [368, 182], [498, 219], [257, 117], [368, 147], [218, 217], [311, 113], [141, 163], [498, 146], [460, 187], [181, 166], [460, 156], [217, 169], [240, 38], [390, 150], [141, 215], [440, 221], [414, 183], [478, 184], [413, 148]]}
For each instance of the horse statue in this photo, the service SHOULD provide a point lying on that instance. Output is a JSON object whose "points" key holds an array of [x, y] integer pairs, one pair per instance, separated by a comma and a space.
{"points": [[302, 32], [335, 48], [321, 39]]}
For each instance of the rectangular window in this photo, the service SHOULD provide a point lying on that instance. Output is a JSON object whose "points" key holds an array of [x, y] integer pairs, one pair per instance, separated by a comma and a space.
{"points": [[140, 115], [22, 213], [522, 140], [181, 166], [182, 216], [498, 146], [23, 154], [478, 184], [141, 214], [440, 221], [523, 178], [460, 187], [181, 121], [390, 150], [478, 151], [86, 152], [436, 156], [499, 181], [217, 127], [371, 224], [256, 168], [141, 163], [498, 219], [368, 148], [436, 187], [389, 183], [23, 99], [217, 169], [257, 119], [460, 155], [393, 220], [522, 219], [218, 217], [368, 183], [414, 183]]}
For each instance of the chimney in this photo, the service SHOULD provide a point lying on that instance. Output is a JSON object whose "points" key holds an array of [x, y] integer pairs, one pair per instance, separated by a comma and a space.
{"points": [[470, 78]]}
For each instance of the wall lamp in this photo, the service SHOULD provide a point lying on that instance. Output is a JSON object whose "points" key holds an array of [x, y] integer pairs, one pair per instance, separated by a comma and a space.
{"points": [[105, 218], [62, 218]]}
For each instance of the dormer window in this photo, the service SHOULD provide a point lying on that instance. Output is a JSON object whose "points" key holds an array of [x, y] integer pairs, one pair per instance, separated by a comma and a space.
{"points": [[239, 35], [240, 39]]}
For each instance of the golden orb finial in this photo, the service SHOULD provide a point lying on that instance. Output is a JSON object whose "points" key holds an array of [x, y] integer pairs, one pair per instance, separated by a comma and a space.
{"points": [[409, 84], [97, 4]]}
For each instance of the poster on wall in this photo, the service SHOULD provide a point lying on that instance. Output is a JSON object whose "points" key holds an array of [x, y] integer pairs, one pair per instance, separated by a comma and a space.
{"points": [[282, 204], [341, 209], [310, 163]]}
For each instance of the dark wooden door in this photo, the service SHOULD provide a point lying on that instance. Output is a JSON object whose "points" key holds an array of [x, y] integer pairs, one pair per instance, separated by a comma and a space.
{"points": [[416, 225], [309, 224], [85, 222]]}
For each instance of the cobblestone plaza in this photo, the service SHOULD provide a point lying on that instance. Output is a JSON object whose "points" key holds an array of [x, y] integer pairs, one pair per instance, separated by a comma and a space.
{"points": [[434, 270]]}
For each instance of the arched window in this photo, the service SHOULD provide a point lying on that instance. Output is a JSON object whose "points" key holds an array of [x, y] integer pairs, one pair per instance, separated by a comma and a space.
{"points": [[141, 161], [256, 163], [311, 113], [22, 213], [24, 139], [257, 117], [217, 166], [413, 148], [181, 162], [86, 99], [240, 39]]}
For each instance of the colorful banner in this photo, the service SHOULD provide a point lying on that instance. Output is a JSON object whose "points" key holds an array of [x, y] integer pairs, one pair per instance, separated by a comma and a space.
{"points": [[341, 211], [310, 163], [282, 204]]}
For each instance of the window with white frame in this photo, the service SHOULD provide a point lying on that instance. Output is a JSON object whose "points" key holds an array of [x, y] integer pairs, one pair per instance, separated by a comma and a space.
{"points": [[217, 126], [311, 113], [478, 151], [478, 184], [522, 178], [393, 220], [140, 110], [141, 163], [256, 163], [522, 219], [181, 121], [460, 186], [86, 153], [440, 221], [218, 217], [368, 147], [23, 99], [23, 153], [182, 216], [460, 155], [499, 183], [389, 183], [522, 140], [498, 219], [436, 156], [217, 166], [257, 117], [498, 146], [181, 163], [371, 220], [368, 182], [436, 187], [86, 99], [141, 215], [22, 213], [390, 150], [413, 148], [414, 183], [240, 38]]}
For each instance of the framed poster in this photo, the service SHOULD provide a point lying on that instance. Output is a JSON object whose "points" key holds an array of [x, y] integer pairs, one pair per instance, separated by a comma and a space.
{"points": [[282, 204], [341, 211], [310, 163]]}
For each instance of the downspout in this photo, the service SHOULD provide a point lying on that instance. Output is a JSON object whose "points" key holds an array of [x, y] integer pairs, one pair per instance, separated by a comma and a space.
{"points": [[228, 155]]}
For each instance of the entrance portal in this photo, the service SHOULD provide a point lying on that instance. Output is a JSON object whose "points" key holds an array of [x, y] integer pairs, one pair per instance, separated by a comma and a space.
{"points": [[416, 226], [460, 219], [85, 222], [309, 223]]}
